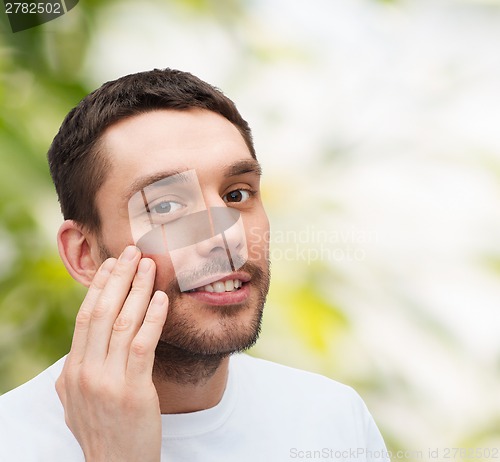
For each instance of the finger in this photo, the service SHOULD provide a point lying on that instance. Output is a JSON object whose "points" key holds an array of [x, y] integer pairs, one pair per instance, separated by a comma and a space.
{"points": [[142, 349], [131, 316], [61, 389], [82, 323], [109, 304]]}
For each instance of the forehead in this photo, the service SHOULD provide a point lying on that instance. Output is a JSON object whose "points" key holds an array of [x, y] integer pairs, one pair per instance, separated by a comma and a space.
{"points": [[172, 140]]}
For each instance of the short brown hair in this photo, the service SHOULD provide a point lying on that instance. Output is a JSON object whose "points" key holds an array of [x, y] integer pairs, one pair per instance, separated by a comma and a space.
{"points": [[77, 164]]}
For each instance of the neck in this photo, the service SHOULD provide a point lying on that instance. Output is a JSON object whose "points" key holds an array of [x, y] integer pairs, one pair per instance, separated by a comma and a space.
{"points": [[188, 382]]}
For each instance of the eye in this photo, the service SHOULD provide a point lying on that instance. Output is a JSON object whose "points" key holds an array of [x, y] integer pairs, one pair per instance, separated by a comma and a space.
{"points": [[166, 207], [238, 195]]}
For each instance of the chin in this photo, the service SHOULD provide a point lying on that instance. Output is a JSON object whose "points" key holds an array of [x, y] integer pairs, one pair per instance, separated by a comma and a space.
{"points": [[233, 329]]}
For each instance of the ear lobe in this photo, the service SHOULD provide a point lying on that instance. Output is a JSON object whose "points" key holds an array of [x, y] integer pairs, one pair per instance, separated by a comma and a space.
{"points": [[75, 249]]}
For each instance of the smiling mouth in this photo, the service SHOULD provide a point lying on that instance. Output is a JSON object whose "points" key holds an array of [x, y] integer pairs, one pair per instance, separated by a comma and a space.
{"points": [[229, 285]]}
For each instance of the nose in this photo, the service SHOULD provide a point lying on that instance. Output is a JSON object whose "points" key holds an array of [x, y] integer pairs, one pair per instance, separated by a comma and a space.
{"points": [[227, 234]]}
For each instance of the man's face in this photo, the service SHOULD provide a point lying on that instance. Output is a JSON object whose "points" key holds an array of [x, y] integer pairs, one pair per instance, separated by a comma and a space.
{"points": [[215, 306]]}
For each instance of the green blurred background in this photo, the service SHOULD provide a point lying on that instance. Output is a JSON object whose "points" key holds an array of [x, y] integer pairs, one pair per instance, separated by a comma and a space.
{"points": [[377, 126]]}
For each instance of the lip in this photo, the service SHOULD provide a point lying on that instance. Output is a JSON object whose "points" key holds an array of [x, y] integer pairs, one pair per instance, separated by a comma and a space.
{"points": [[242, 276], [222, 298]]}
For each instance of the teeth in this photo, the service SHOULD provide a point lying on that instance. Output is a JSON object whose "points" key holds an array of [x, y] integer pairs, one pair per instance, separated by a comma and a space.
{"points": [[218, 287]]}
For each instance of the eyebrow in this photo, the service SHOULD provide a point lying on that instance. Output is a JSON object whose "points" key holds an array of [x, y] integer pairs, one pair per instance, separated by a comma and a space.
{"points": [[242, 167], [166, 178]]}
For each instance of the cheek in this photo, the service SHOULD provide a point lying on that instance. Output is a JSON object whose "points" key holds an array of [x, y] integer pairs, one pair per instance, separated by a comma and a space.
{"points": [[164, 270], [116, 236], [257, 236]]}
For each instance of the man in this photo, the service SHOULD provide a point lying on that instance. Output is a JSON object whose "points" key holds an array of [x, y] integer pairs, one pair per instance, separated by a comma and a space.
{"points": [[158, 183]]}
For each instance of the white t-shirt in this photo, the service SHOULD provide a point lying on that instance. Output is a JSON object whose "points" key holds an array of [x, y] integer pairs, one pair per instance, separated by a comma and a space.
{"points": [[268, 413]]}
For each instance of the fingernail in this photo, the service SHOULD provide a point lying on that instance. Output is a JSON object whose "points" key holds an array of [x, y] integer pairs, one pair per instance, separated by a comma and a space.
{"points": [[129, 253], [144, 265], [159, 298]]}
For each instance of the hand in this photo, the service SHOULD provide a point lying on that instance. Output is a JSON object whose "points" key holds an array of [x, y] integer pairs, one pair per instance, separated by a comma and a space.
{"points": [[106, 387]]}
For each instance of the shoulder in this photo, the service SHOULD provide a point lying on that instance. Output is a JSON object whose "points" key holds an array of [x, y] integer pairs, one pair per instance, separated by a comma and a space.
{"points": [[304, 389], [34, 409], [315, 409], [275, 375], [39, 389]]}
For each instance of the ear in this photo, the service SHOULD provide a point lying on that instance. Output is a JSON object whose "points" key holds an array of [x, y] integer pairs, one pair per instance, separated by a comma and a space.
{"points": [[78, 252]]}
